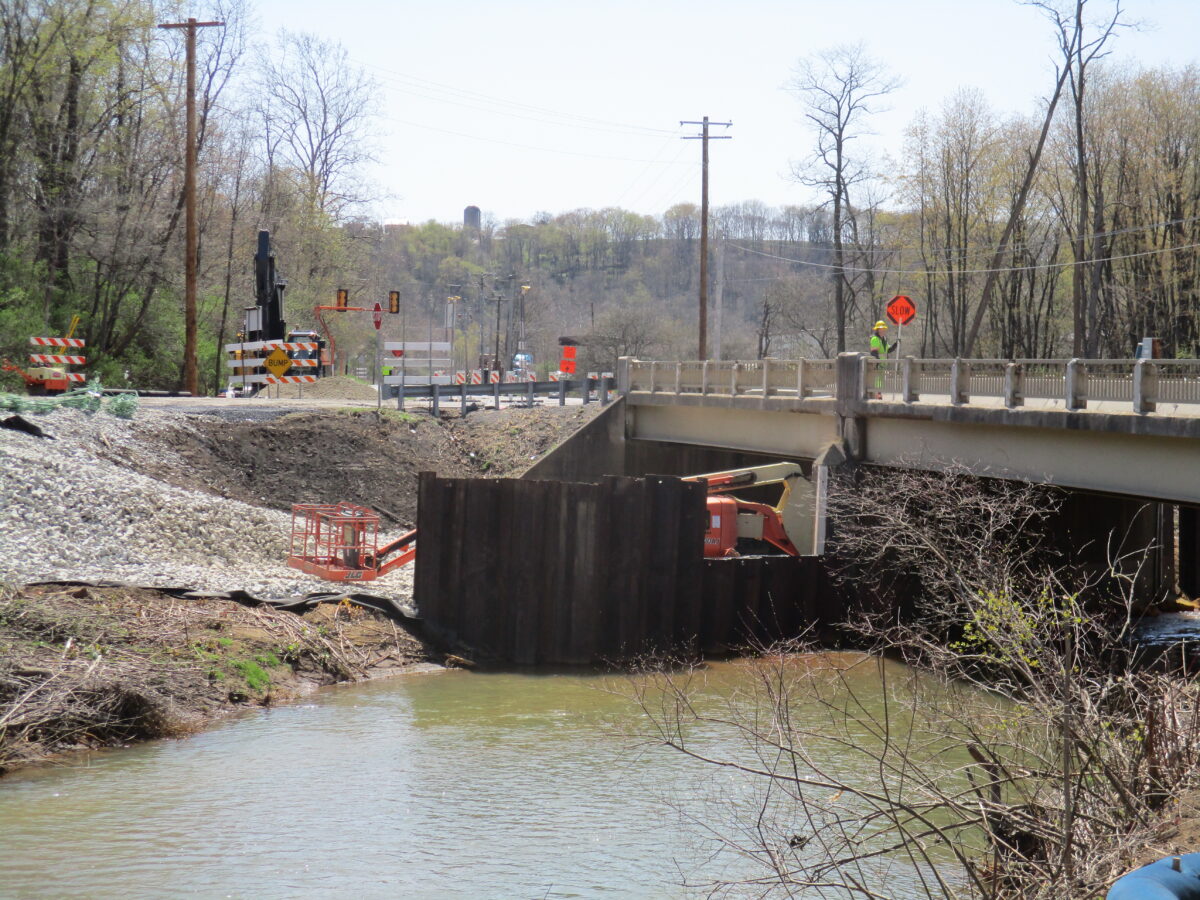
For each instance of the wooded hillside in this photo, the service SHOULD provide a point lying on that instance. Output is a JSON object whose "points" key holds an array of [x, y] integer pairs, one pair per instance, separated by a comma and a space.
{"points": [[1083, 239]]}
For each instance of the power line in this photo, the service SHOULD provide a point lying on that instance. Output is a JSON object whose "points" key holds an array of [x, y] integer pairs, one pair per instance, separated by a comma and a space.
{"points": [[925, 272], [474, 99], [658, 177], [476, 137]]}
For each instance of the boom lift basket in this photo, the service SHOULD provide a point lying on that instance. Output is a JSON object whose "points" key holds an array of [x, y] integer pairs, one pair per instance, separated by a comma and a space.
{"points": [[335, 541]]}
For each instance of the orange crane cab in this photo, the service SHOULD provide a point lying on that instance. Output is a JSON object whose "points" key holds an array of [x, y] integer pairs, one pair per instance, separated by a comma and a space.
{"points": [[731, 519]]}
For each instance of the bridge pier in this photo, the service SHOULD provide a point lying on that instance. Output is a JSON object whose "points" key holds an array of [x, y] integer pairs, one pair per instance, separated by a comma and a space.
{"points": [[852, 425], [1189, 551]]}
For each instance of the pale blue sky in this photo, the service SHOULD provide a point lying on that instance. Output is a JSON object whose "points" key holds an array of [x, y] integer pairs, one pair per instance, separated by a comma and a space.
{"points": [[534, 105]]}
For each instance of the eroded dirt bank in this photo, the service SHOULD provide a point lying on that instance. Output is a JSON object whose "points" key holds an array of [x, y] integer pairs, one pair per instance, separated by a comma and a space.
{"points": [[84, 667]]}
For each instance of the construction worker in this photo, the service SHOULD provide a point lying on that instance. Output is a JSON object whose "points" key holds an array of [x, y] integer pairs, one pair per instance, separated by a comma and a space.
{"points": [[880, 350], [879, 344]]}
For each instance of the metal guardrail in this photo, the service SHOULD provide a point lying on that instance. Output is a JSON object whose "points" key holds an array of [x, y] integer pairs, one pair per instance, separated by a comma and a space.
{"points": [[590, 390], [1069, 384]]}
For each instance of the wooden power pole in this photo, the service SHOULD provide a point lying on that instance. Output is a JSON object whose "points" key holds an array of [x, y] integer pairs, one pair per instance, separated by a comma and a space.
{"points": [[704, 137], [191, 383]]}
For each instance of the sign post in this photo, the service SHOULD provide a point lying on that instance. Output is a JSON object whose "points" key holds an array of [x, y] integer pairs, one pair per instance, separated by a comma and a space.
{"points": [[378, 318], [901, 310], [277, 363]]}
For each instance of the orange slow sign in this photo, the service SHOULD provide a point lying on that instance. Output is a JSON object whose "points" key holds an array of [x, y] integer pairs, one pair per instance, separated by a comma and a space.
{"points": [[567, 366], [901, 310]]}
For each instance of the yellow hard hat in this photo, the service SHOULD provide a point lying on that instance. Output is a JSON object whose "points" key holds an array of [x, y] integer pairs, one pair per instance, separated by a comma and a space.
{"points": [[879, 324]]}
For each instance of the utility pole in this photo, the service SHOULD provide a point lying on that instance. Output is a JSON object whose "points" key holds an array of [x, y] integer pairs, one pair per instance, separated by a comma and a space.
{"points": [[482, 316], [704, 137], [190, 382], [720, 310], [496, 354]]}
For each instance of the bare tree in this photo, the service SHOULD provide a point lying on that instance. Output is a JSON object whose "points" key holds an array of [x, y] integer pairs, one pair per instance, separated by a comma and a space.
{"points": [[1082, 42], [838, 87], [1021, 754], [316, 113]]}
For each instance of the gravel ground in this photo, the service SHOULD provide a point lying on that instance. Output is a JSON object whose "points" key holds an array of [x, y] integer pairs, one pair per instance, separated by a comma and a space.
{"points": [[66, 513]]}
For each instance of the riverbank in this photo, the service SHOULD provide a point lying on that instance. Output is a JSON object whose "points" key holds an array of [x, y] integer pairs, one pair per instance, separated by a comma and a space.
{"points": [[83, 667], [197, 498]]}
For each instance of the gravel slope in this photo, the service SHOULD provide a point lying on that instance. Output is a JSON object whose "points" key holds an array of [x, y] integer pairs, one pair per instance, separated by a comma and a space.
{"points": [[67, 513]]}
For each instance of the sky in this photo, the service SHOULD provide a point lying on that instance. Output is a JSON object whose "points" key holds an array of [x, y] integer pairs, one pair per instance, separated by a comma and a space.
{"points": [[535, 106]]}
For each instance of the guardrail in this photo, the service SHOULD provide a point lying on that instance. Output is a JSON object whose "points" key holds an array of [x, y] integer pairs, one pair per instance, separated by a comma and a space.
{"points": [[760, 378], [589, 389], [1073, 383]]}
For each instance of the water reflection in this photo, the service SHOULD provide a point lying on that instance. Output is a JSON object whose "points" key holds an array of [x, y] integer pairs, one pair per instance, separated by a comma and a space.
{"points": [[451, 784]]}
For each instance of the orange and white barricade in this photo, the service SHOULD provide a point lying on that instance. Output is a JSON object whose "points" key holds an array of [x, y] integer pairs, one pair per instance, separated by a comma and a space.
{"points": [[60, 360], [247, 356], [290, 379]]}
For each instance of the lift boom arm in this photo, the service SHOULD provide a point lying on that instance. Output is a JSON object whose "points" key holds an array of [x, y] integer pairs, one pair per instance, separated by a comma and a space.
{"points": [[760, 521]]}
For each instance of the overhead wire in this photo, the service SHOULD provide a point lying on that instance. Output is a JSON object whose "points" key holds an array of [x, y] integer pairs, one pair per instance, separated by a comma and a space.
{"points": [[657, 178], [956, 253], [926, 272], [947, 254], [491, 140], [514, 109]]}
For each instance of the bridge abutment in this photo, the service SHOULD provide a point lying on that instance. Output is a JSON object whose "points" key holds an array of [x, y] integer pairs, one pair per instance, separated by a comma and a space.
{"points": [[1099, 535]]}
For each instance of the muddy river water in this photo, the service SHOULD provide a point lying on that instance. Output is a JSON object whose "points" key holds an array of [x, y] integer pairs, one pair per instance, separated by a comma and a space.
{"points": [[448, 784]]}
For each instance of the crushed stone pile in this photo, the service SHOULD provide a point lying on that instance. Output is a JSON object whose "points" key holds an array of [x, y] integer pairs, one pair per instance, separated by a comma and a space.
{"points": [[68, 514], [333, 387]]}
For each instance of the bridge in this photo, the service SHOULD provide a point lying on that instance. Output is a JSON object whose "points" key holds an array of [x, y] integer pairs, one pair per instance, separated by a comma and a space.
{"points": [[1125, 427], [1120, 437]]}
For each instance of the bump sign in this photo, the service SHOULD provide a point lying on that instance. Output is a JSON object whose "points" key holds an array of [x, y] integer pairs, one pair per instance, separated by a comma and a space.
{"points": [[278, 362], [901, 310]]}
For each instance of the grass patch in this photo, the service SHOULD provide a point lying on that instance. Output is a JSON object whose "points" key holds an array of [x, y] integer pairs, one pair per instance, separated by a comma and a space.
{"points": [[252, 673]]}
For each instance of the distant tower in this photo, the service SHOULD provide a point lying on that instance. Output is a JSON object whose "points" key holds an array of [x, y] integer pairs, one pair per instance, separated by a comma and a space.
{"points": [[472, 218]]}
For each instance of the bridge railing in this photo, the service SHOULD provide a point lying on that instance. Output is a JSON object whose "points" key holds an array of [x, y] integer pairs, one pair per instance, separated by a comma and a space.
{"points": [[755, 378], [1069, 383], [1178, 380]]}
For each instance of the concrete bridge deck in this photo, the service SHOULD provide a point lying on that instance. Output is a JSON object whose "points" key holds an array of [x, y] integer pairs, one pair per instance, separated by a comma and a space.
{"points": [[1128, 427]]}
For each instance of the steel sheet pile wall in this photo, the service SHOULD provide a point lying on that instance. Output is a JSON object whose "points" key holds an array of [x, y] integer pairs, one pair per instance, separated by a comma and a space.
{"points": [[753, 601], [552, 572], [548, 572]]}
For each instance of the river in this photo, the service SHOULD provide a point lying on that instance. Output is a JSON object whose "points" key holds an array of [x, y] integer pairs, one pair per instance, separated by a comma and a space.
{"points": [[447, 784]]}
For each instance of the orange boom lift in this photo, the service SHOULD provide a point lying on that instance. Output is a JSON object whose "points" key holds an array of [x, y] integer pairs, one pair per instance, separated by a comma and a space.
{"points": [[731, 519], [340, 542]]}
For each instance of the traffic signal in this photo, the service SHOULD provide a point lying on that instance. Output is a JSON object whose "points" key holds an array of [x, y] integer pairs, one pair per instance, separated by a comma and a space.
{"points": [[343, 298], [393, 302]]}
